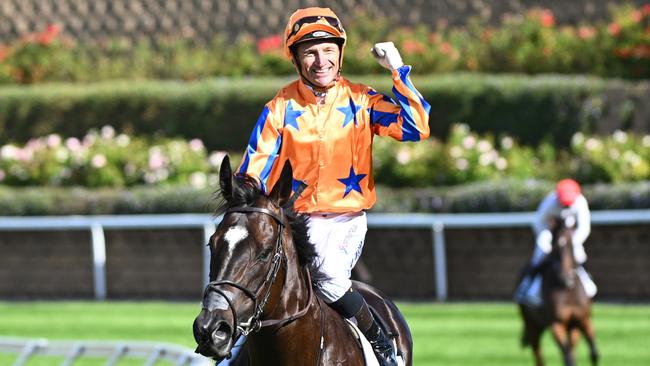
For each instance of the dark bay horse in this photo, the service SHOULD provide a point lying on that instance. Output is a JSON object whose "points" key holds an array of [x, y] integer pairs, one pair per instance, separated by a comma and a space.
{"points": [[260, 286], [566, 308]]}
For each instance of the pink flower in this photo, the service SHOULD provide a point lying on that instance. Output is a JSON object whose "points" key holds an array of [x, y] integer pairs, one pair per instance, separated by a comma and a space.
{"points": [[645, 10], [614, 29], [26, 154], [547, 18], [413, 46], [636, 16], [73, 144], [98, 161], [269, 44], [156, 159], [53, 140], [49, 34], [586, 32], [196, 145], [446, 48]]}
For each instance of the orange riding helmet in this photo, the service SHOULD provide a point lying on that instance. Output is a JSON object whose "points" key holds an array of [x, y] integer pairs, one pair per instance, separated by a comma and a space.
{"points": [[312, 23], [567, 191]]}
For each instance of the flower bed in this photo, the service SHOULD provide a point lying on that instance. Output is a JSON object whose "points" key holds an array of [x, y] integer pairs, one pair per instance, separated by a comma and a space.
{"points": [[527, 43], [468, 157], [105, 158]]}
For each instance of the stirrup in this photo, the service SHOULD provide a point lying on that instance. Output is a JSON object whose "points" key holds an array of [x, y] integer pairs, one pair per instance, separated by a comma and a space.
{"points": [[383, 349]]}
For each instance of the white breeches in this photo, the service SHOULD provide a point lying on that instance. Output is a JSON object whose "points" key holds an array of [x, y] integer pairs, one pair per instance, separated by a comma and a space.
{"points": [[338, 239], [543, 247]]}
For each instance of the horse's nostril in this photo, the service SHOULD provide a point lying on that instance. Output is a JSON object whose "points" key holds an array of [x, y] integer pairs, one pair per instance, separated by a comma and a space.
{"points": [[222, 333]]}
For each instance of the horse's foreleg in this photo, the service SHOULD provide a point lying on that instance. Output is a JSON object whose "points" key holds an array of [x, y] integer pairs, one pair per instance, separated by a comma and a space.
{"points": [[561, 336], [534, 338], [531, 335], [537, 353], [574, 338], [587, 328]]}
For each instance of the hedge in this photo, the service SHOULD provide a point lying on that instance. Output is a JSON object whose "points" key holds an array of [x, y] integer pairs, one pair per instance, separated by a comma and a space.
{"points": [[496, 196], [507, 196], [222, 112]]}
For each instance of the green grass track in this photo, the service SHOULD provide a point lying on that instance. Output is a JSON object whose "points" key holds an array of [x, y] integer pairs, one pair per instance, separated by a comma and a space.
{"points": [[451, 334]]}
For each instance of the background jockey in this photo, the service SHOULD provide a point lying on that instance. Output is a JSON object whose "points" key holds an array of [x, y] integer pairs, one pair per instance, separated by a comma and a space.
{"points": [[567, 198], [324, 125]]}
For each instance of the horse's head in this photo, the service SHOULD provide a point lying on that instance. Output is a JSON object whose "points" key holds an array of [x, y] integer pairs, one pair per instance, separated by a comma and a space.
{"points": [[562, 252], [248, 265]]}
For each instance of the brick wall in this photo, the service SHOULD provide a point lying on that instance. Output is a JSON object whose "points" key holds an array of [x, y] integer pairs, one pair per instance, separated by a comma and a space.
{"points": [[482, 264], [46, 264], [162, 264], [98, 20]]}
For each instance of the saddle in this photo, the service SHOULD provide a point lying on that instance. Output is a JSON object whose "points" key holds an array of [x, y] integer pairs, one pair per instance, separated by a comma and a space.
{"points": [[364, 344]]}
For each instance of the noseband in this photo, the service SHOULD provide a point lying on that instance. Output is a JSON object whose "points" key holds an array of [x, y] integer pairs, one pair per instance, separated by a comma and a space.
{"points": [[254, 323]]}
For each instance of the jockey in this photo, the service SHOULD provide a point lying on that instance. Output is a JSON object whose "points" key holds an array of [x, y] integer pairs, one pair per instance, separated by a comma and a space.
{"points": [[565, 199], [324, 125]]}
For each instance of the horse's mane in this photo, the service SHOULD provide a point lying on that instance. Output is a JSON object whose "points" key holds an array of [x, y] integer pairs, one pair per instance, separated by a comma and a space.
{"points": [[245, 191]]}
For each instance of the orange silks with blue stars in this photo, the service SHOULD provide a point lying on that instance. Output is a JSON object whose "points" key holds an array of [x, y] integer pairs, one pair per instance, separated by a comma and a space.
{"points": [[329, 145]]}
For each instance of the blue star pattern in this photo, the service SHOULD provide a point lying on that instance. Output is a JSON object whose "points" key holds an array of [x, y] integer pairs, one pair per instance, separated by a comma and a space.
{"points": [[350, 113], [291, 115], [296, 184], [383, 118], [352, 182]]}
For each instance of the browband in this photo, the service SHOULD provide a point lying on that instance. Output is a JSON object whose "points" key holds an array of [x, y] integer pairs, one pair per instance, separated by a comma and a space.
{"points": [[256, 209]]}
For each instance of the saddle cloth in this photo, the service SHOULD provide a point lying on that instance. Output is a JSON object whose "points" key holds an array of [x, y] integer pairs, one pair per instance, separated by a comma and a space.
{"points": [[368, 353]]}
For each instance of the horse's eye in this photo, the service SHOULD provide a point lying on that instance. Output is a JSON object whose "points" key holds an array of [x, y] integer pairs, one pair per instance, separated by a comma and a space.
{"points": [[263, 254]]}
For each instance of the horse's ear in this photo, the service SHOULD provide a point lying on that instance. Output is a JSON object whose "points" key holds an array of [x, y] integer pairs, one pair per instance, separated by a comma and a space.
{"points": [[284, 186], [225, 178]]}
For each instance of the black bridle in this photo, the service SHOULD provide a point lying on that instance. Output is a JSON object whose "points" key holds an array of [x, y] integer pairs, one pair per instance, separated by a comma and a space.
{"points": [[254, 323]]}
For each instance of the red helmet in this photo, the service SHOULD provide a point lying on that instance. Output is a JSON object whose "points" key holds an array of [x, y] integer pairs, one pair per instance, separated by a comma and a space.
{"points": [[312, 23], [567, 191]]}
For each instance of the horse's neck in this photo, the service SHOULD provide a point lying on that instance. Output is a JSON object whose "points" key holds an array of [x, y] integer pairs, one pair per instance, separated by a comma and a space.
{"points": [[294, 297], [275, 345], [320, 325]]}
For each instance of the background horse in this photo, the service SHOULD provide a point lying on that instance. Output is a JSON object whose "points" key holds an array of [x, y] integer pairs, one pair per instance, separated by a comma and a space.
{"points": [[260, 286], [566, 307]]}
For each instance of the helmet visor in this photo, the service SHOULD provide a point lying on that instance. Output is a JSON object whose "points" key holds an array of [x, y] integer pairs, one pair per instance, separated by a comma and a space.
{"points": [[315, 19]]}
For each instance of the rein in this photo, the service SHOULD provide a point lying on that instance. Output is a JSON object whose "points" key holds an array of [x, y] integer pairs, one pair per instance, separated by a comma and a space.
{"points": [[254, 323]]}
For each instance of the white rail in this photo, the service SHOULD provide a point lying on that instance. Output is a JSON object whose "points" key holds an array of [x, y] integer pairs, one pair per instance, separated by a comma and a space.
{"points": [[113, 351], [436, 222]]}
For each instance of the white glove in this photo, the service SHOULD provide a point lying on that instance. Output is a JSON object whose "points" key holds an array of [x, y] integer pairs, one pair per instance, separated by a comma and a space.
{"points": [[387, 55]]}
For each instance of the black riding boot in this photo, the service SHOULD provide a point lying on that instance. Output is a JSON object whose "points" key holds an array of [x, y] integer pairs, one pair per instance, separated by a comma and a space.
{"points": [[380, 343], [352, 304]]}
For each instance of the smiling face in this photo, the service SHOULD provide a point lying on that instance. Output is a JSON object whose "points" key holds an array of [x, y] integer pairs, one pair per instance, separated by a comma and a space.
{"points": [[319, 61]]}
